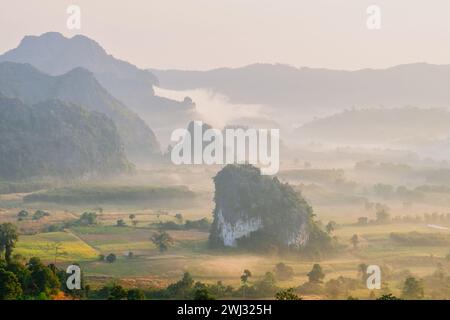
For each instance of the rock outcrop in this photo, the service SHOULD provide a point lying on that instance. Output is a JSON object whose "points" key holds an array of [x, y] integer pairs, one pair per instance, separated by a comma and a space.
{"points": [[257, 210]]}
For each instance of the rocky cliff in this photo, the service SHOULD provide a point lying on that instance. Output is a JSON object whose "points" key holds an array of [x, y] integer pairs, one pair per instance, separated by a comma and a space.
{"points": [[257, 210]]}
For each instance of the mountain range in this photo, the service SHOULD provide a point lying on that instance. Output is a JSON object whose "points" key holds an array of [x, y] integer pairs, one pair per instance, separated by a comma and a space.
{"points": [[305, 90], [56, 55]]}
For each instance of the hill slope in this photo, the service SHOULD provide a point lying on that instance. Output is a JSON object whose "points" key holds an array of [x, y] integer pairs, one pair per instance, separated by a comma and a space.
{"points": [[54, 138], [55, 54], [79, 86]]}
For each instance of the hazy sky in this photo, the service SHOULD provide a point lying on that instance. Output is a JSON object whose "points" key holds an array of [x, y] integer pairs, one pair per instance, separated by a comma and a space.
{"points": [[204, 34]]}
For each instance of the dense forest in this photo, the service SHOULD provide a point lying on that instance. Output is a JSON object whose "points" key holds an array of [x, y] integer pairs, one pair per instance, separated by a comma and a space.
{"points": [[54, 138]]}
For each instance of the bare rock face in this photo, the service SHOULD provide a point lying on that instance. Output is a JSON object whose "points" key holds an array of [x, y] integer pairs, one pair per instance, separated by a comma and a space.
{"points": [[257, 210]]}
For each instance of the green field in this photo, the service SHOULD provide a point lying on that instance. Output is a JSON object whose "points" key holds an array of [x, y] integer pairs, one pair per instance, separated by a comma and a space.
{"points": [[191, 253], [72, 248], [148, 268]]}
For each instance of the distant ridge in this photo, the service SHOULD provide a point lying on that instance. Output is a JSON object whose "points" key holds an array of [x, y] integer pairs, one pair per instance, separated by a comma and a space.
{"points": [[306, 89]]}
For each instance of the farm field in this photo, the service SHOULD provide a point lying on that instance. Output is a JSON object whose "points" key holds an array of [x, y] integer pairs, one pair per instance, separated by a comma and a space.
{"points": [[190, 253]]}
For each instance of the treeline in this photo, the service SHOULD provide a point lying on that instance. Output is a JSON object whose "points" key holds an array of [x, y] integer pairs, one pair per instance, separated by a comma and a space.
{"points": [[383, 216], [416, 239], [110, 194], [34, 280], [31, 280], [266, 286], [389, 192], [8, 187], [188, 289], [202, 224]]}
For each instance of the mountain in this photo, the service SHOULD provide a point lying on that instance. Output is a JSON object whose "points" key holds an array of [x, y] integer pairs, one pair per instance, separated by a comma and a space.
{"points": [[54, 138], [401, 126], [55, 54], [310, 89], [80, 87]]}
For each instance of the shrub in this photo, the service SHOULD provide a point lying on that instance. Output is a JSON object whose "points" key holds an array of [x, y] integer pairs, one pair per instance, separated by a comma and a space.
{"points": [[111, 258], [283, 271]]}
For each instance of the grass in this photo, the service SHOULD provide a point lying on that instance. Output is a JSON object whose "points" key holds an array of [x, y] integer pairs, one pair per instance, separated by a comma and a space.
{"points": [[39, 246], [191, 252]]}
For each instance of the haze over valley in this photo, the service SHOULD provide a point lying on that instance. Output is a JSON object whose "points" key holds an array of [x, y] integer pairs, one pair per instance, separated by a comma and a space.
{"points": [[88, 177]]}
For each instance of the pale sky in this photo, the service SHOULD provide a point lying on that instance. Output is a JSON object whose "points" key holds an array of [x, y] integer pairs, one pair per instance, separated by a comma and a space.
{"points": [[205, 34]]}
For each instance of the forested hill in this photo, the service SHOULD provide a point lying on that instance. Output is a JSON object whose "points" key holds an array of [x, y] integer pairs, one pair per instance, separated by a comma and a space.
{"points": [[80, 87], [57, 139]]}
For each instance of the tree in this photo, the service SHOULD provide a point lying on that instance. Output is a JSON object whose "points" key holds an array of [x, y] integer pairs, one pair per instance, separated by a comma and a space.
{"points": [[203, 294], [10, 288], [8, 239], [111, 258], [99, 209], [181, 289], [383, 215], [287, 294], [362, 270], [132, 217], [355, 241], [413, 289], [20, 270], [121, 223], [43, 279], [316, 274], [334, 288], [362, 221], [244, 279], [267, 285], [162, 240], [39, 214], [135, 294], [23, 214], [388, 296], [245, 276], [117, 292], [179, 218], [330, 227], [283, 271], [88, 219]]}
